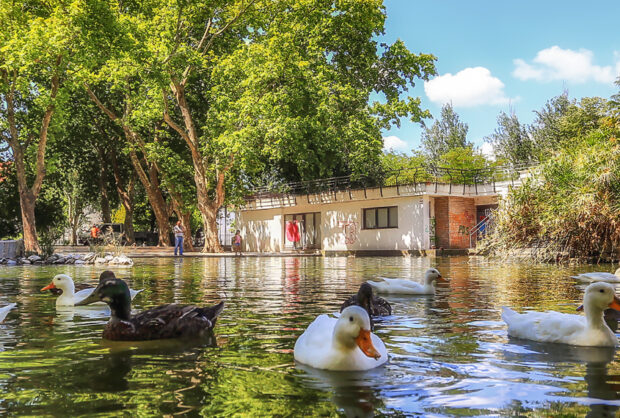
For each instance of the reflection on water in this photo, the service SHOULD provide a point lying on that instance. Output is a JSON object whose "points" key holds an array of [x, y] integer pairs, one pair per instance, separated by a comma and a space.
{"points": [[449, 354]]}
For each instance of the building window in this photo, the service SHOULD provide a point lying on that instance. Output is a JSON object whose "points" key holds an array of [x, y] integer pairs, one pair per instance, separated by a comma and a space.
{"points": [[376, 218]]}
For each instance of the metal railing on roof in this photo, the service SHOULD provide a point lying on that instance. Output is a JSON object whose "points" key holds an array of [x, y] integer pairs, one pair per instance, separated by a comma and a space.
{"points": [[429, 174]]}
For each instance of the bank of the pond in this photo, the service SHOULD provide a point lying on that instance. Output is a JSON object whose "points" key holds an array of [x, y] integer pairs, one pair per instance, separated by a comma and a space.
{"points": [[168, 252]]}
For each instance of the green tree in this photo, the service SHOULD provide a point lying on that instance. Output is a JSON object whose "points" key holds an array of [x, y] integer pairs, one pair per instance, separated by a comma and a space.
{"points": [[446, 133], [546, 130], [249, 85], [41, 43], [511, 140]]}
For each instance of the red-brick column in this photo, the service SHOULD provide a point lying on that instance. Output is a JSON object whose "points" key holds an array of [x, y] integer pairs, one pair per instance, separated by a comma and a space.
{"points": [[462, 217], [454, 217]]}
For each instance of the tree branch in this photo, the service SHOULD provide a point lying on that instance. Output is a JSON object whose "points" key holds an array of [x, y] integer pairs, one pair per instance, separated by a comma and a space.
{"points": [[47, 118], [203, 49]]}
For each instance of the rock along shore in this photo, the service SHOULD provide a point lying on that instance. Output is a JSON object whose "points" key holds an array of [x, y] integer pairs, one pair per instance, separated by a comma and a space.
{"points": [[77, 259]]}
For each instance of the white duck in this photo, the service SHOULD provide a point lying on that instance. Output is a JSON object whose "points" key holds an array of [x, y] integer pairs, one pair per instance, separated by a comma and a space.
{"points": [[345, 343], [409, 287], [598, 276], [70, 297], [556, 327], [4, 311]]}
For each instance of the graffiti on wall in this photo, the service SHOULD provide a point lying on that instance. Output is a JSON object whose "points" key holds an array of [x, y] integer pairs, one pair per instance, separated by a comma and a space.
{"points": [[349, 228]]}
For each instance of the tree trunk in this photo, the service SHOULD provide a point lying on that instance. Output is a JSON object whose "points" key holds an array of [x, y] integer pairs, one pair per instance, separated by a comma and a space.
{"points": [[185, 216], [74, 214], [209, 221], [106, 213], [128, 204], [188, 242], [150, 181], [28, 195], [31, 242], [208, 207], [159, 206], [126, 197]]}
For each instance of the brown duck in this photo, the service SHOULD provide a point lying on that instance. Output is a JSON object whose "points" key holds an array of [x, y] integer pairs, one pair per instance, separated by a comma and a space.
{"points": [[165, 321], [374, 305]]}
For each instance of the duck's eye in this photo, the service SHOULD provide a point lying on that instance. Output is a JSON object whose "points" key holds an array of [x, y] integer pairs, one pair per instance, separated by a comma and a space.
{"points": [[602, 290], [350, 319]]}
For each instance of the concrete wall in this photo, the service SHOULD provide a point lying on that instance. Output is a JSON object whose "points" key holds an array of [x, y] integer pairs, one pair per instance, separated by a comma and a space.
{"points": [[11, 248], [341, 225], [442, 226], [262, 230]]}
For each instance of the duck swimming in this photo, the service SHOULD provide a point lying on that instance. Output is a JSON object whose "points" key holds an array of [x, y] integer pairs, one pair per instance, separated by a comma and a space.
{"points": [[165, 321], [408, 287], [598, 276], [4, 311], [374, 305], [556, 327], [68, 295], [345, 343]]}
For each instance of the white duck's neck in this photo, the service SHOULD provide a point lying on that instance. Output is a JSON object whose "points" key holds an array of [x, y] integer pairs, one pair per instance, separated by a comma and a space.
{"points": [[429, 283], [594, 316], [67, 294], [341, 343]]}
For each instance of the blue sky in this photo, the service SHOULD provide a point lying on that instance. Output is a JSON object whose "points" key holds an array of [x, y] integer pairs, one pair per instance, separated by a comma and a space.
{"points": [[506, 56]]}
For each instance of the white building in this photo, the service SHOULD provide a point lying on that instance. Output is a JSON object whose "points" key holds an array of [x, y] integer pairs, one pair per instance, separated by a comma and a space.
{"points": [[389, 220]]}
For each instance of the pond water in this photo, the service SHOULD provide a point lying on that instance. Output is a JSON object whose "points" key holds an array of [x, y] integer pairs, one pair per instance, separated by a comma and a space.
{"points": [[449, 354]]}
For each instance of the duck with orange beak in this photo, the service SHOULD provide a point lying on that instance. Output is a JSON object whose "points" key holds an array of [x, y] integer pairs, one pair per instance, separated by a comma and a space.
{"points": [[68, 295], [345, 343], [556, 327]]}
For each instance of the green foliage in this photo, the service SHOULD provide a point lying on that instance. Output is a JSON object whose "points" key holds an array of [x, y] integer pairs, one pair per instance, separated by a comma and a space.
{"points": [[571, 207], [464, 158], [446, 133], [459, 165], [511, 140], [280, 87], [559, 120]]}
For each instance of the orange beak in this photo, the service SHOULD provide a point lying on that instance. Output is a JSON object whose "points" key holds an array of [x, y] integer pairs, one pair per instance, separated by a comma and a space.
{"points": [[364, 342], [48, 287], [615, 304], [441, 279]]}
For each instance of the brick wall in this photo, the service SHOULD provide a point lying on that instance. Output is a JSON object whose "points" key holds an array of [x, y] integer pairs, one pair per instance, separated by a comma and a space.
{"points": [[462, 217], [454, 217]]}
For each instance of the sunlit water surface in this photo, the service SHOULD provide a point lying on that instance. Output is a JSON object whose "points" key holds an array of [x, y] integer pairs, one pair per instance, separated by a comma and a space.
{"points": [[449, 354]]}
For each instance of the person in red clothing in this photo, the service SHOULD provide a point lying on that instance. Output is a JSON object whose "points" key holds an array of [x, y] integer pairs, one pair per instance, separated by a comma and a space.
{"points": [[292, 232], [94, 234]]}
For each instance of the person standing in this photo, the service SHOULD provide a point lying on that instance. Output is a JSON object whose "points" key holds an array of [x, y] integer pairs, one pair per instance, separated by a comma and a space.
{"points": [[178, 238], [237, 242], [94, 234]]}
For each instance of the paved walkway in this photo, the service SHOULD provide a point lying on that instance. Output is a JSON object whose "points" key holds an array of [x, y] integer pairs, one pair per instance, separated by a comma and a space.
{"points": [[160, 252]]}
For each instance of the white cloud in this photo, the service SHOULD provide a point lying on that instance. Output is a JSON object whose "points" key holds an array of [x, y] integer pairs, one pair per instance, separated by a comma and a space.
{"points": [[556, 63], [467, 88], [488, 150], [395, 143]]}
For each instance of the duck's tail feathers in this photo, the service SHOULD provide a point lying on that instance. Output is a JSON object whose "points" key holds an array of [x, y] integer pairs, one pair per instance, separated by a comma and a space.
{"points": [[212, 312], [508, 314]]}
